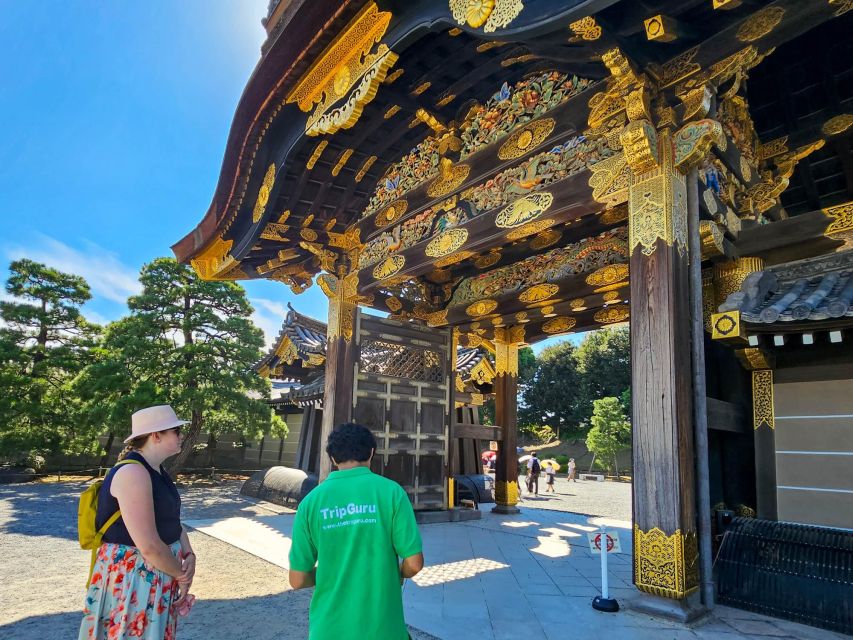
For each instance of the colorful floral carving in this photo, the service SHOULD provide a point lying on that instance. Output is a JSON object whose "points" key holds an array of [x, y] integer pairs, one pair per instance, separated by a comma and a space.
{"points": [[545, 168], [511, 107], [506, 110], [580, 257]]}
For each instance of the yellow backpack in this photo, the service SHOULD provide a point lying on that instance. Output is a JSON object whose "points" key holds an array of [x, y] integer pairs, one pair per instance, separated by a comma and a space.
{"points": [[87, 510]]}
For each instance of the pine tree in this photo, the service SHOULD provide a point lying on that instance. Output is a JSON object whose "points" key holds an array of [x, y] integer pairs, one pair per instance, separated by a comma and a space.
{"points": [[44, 342], [611, 431]]}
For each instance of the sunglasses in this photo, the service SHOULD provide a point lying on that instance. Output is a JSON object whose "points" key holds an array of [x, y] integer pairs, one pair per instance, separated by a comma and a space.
{"points": [[177, 430]]}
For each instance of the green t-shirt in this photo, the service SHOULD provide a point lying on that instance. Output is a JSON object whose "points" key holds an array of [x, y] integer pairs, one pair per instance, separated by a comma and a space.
{"points": [[355, 526]]}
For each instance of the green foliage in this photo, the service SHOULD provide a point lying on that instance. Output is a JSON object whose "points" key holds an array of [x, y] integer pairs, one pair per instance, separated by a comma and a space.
{"points": [[44, 342], [604, 359], [611, 431], [566, 380], [189, 343], [552, 397], [543, 434]]}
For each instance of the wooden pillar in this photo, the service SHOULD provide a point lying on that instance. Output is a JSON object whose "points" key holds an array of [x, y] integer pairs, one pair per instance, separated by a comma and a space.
{"points": [[340, 358], [764, 434], [507, 343], [665, 542]]}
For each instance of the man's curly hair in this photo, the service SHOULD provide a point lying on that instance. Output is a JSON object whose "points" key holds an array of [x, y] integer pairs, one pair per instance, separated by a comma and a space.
{"points": [[350, 442]]}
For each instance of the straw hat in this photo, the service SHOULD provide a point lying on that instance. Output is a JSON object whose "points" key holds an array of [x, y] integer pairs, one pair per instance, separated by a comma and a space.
{"points": [[153, 419]]}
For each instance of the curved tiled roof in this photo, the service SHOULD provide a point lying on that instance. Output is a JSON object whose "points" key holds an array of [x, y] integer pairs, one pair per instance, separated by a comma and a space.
{"points": [[805, 291]]}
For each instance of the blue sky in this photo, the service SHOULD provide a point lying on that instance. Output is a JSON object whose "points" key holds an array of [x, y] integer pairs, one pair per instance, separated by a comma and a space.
{"points": [[115, 117]]}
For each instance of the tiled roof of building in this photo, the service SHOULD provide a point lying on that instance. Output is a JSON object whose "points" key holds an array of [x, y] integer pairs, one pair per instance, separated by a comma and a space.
{"points": [[817, 289]]}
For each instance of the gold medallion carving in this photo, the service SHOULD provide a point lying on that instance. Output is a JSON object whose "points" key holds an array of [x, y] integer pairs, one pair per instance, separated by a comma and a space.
{"points": [[529, 229], [264, 194], [610, 274], [524, 209], [837, 125], [391, 213], [547, 311], [448, 181], [559, 325], [666, 566], [446, 243], [760, 23], [351, 67], [388, 267], [309, 235], [526, 138], [481, 308], [538, 292], [610, 296], [615, 313], [763, 412], [578, 304], [545, 239]]}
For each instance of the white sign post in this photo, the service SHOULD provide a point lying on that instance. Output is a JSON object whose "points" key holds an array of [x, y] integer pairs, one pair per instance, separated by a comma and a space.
{"points": [[604, 542]]}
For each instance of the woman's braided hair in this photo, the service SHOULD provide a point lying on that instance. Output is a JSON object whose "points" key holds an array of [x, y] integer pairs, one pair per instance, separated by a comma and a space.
{"points": [[134, 445]]}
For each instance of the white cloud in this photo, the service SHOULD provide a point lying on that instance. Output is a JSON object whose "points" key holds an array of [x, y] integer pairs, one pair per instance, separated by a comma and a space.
{"points": [[268, 315], [108, 277]]}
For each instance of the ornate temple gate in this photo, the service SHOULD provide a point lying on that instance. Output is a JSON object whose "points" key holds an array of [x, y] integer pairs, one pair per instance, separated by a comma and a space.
{"points": [[403, 390], [568, 145]]}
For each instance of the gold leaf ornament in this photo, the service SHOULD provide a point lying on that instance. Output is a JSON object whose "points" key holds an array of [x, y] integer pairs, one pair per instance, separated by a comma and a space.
{"points": [[446, 243], [481, 308], [559, 325], [264, 193], [489, 14], [524, 209], [610, 315], [388, 267], [538, 292], [526, 138], [529, 229]]}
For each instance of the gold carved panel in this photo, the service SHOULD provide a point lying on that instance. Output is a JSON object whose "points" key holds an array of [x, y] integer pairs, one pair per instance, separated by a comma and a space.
{"points": [[388, 267], [613, 314], [538, 292], [446, 243], [481, 308], [526, 138], [763, 412], [666, 566], [264, 194], [561, 324], [351, 68], [529, 229], [524, 209]]}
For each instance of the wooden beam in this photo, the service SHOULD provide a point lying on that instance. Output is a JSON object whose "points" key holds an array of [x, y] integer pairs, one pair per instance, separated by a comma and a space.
{"points": [[478, 431]]}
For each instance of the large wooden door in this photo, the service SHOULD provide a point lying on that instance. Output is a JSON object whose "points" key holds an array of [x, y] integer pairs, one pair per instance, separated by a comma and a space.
{"points": [[402, 392]]}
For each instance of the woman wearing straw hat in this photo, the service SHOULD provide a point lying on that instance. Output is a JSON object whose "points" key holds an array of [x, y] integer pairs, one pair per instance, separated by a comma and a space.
{"points": [[145, 564]]}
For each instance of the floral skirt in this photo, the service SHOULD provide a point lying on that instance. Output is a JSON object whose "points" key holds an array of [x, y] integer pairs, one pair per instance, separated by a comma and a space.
{"points": [[128, 600]]}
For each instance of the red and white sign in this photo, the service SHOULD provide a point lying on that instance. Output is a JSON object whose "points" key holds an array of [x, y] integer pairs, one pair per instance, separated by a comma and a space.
{"points": [[613, 545]]}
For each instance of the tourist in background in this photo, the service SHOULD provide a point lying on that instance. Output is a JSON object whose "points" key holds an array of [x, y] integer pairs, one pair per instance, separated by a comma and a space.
{"points": [[145, 564], [572, 469], [534, 468], [348, 536], [550, 472]]}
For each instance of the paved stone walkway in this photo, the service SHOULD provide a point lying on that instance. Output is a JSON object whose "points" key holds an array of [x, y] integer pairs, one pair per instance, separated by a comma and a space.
{"points": [[528, 575]]}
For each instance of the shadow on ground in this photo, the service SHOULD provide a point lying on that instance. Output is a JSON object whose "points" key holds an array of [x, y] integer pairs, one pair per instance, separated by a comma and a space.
{"points": [[42, 509]]}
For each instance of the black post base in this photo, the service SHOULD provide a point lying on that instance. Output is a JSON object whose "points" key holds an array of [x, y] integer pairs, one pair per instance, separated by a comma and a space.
{"points": [[608, 605]]}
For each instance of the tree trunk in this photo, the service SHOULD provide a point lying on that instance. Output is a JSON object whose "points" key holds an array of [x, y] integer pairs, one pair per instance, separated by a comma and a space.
{"points": [[190, 439]]}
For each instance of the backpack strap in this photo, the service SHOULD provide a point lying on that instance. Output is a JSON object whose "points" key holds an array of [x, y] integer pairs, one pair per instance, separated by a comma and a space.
{"points": [[112, 519], [110, 522]]}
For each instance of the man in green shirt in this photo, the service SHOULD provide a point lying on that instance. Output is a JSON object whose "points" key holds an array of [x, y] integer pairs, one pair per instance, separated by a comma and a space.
{"points": [[355, 526]]}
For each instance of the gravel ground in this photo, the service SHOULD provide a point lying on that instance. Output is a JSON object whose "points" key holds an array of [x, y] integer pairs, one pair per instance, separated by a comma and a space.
{"points": [[606, 499], [43, 570]]}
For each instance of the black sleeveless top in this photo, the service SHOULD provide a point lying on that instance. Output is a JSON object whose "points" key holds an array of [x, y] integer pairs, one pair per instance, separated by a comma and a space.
{"points": [[167, 506]]}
